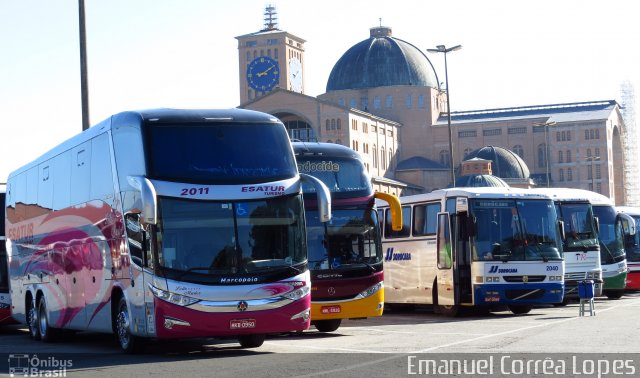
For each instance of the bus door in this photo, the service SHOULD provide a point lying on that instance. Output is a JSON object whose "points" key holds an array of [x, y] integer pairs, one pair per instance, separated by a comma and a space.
{"points": [[461, 258], [139, 250], [445, 271]]}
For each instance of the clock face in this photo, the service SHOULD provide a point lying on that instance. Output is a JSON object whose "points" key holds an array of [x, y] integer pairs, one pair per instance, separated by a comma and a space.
{"points": [[263, 74], [295, 74]]}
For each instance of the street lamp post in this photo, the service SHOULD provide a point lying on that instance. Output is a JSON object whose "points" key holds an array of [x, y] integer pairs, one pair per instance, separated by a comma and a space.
{"points": [[591, 159], [546, 126], [443, 49]]}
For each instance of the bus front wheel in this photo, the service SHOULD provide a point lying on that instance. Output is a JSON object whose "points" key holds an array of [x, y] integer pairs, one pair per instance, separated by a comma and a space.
{"points": [[128, 342], [327, 325], [520, 309], [614, 294], [251, 341]]}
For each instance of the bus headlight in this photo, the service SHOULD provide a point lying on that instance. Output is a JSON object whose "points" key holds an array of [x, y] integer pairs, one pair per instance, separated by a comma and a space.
{"points": [[177, 299], [370, 291], [297, 293]]}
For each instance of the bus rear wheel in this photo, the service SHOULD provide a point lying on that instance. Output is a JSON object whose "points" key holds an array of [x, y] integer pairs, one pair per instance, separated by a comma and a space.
{"points": [[520, 309], [47, 333], [251, 341], [32, 320], [128, 342], [327, 325], [449, 310]]}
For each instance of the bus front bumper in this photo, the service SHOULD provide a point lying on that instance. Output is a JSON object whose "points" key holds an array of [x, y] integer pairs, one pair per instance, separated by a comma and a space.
{"points": [[370, 306], [489, 294]]}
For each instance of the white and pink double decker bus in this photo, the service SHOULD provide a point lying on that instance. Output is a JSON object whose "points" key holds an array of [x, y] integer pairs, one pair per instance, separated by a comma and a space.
{"points": [[163, 224]]}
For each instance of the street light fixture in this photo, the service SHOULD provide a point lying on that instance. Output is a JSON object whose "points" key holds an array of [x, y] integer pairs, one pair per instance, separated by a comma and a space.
{"points": [[546, 126], [445, 50], [591, 159]]}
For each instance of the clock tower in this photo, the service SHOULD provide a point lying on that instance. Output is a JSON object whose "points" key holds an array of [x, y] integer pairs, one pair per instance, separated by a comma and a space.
{"points": [[268, 59]]}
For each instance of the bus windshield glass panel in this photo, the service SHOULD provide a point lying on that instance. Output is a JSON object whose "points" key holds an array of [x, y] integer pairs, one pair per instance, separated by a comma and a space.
{"points": [[220, 153], [579, 231], [349, 240], [609, 235], [515, 230], [207, 238], [632, 244], [346, 176]]}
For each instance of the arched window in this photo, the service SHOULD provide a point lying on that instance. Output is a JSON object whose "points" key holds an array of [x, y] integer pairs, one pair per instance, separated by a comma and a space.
{"points": [[383, 163], [518, 150], [569, 174], [390, 159], [561, 175], [338, 124], [375, 157], [560, 157], [300, 130], [542, 155], [338, 141], [328, 125], [568, 156], [329, 141], [333, 124]]}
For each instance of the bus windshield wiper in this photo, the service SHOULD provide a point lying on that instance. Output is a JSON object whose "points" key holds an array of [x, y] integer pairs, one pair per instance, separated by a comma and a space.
{"points": [[535, 247]]}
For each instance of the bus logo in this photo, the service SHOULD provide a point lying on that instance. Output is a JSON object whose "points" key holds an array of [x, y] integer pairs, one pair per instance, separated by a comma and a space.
{"points": [[396, 256], [243, 306], [495, 269], [331, 290]]}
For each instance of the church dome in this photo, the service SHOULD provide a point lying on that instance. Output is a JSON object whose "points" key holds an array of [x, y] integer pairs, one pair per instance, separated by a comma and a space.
{"points": [[480, 181], [381, 61], [504, 163]]}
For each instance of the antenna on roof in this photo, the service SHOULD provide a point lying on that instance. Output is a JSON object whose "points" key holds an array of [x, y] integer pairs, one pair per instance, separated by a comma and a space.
{"points": [[270, 17]]}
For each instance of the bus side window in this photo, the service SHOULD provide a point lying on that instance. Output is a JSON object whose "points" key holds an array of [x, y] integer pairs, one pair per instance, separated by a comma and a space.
{"points": [[424, 219], [406, 224]]}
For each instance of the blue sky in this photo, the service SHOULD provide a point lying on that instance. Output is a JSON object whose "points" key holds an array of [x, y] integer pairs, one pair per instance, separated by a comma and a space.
{"points": [[183, 53]]}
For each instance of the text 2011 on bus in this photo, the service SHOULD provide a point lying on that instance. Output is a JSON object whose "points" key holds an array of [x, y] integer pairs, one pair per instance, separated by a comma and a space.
{"points": [[479, 248], [163, 224], [345, 254]]}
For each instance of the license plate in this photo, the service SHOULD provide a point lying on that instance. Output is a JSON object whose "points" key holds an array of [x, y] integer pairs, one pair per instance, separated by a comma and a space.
{"points": [[242, 324], [330, 309]]}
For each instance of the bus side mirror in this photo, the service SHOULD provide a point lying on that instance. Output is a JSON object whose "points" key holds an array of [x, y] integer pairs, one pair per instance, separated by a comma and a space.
{"points": [[563, 235], [148, 196], [323, 194], [596, 223], [395, 207]]}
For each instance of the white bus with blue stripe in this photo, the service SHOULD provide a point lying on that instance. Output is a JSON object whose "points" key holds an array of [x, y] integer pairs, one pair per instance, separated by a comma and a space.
{"points": [[479, 248]]}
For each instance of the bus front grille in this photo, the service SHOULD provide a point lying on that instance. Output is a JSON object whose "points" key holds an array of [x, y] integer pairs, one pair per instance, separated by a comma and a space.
{"points": [[538, 278]]}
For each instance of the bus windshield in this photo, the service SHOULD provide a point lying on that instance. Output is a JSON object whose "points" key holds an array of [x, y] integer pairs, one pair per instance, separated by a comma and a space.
{"points": [[350, 239], [609, 235], [578, 225], [341, 176], [220, 153], [514, 230], [632, 244], [226, 238]]}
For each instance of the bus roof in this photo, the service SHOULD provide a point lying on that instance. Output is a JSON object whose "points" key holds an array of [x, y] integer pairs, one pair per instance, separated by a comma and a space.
{"points": [[633, 211], [322, 149], [572, 194], [476, 192], [162, 115]]}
